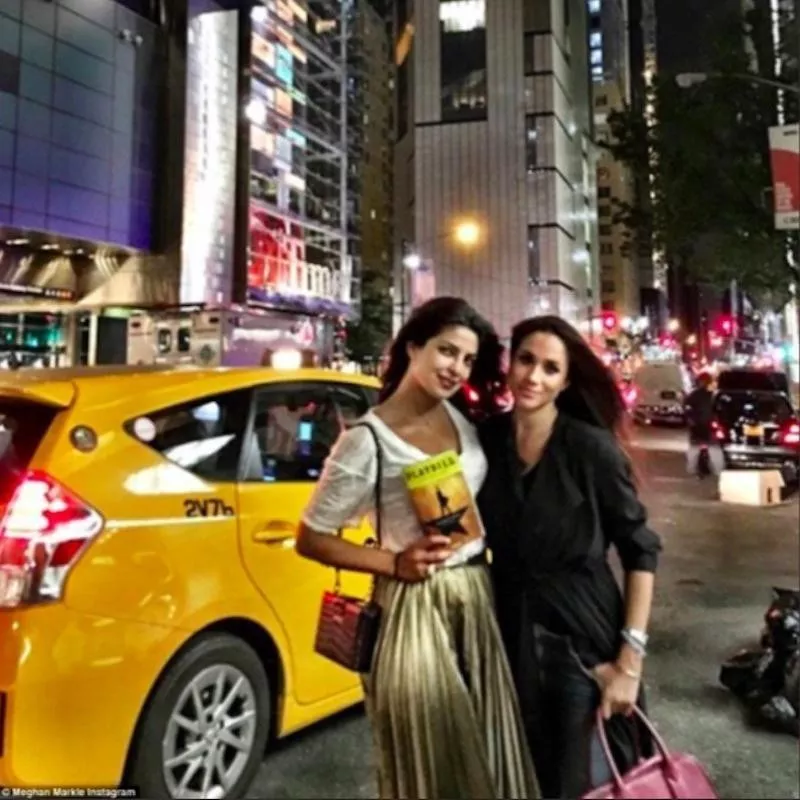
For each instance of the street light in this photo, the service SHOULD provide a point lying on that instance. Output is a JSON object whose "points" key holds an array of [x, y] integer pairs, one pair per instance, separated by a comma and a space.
{"points": [[467, 233], [412, 261], [687, 79]]}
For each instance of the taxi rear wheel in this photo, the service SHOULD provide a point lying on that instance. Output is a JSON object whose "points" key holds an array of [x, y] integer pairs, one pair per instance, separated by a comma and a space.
{"points": [[204, 731]]}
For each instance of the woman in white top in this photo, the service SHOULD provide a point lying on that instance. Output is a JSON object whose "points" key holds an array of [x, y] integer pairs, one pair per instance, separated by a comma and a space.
{"points": [[439, 694]]}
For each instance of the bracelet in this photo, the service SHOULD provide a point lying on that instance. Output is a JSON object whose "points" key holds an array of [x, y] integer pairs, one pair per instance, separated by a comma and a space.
{"points": [[635, 644], [637, 635], [629, 672]]}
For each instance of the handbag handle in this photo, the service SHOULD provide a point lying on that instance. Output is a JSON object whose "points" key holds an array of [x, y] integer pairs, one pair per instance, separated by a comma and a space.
{"points": [[660, 744], [337, 587]]}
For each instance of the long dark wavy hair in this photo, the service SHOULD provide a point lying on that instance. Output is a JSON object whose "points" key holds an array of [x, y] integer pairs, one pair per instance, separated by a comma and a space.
{"points": [[429, 320], [592, 394]]}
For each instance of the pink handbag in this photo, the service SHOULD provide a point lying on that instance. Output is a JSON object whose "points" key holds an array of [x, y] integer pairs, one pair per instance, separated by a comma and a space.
{"points": [[666, 775]]}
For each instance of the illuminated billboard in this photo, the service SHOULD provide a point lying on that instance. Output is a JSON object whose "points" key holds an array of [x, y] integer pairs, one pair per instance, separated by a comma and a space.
{"points": [[297, 238], [210, 159]]}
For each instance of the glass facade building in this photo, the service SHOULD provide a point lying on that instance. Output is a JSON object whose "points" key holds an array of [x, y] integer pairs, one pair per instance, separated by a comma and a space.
{"points": [[78, 120]]}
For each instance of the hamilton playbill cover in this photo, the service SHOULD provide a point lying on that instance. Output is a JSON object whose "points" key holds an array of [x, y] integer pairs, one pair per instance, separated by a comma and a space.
{"points": [[443, 501]]}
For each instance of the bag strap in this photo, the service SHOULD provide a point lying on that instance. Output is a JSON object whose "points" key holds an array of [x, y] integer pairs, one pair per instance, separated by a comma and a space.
{"points": [[660, 746], [378, 495], [378, 477]]}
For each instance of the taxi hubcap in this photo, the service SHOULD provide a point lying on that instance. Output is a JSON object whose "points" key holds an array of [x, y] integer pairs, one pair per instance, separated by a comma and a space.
{"points": [[210, 734]]}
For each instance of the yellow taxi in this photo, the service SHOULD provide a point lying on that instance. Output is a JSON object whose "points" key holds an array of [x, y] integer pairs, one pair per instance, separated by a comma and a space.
{"points": [[156, 625]]}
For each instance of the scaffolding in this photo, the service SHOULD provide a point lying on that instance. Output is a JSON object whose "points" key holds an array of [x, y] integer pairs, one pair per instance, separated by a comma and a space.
{"points": [[299, 153]]}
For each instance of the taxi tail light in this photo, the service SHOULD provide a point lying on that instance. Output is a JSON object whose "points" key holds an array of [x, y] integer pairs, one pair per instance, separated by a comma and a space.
{"points": [[43, 532], [790, 434]]}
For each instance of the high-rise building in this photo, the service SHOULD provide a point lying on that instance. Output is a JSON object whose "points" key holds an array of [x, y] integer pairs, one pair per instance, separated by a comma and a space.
{"points": [[610, 66], [494, 161], [81, 133], [370, 139], [650, 263]]}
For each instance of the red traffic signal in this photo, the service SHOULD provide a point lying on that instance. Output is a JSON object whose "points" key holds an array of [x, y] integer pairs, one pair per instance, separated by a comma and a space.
{"points": [[609, 321], [726, 325]]}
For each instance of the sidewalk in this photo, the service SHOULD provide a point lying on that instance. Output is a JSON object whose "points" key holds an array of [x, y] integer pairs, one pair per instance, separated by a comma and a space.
{"points": [[713, 587]]}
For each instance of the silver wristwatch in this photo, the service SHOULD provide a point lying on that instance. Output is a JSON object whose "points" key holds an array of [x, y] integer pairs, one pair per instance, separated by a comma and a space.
{"points": [[638, 636]]}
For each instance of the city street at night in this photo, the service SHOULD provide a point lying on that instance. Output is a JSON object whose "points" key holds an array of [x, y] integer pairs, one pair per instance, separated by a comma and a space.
{"points": [[308, 308], [714, 584]]}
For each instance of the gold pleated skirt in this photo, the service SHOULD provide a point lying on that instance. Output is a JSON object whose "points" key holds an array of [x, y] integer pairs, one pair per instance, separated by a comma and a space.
{"points": [[440, 696]]}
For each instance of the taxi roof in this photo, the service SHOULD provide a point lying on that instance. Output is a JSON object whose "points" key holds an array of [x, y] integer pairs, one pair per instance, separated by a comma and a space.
{"points": [[101, 385]]}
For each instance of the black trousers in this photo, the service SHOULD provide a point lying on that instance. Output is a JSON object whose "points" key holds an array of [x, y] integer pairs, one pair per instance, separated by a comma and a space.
{"points": [[559, 699]]}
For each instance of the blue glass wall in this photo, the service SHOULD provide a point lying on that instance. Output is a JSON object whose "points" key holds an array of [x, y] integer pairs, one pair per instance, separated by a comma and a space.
{"points": [[78, 97]]}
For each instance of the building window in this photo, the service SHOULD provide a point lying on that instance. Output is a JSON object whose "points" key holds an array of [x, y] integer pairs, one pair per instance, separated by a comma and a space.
{"points": [[534, 254], [608, 287], [594, 6], [603, 192], [604, 210], [597, 73], [595, 39], [596, 57], [528, 53], [606, 249], [463, 59], [531, 142], [605, 230]]}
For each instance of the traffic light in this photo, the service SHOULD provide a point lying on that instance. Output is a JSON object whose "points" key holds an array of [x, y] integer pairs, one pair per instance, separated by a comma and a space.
{"points": [[726, 325], [609, 321]]}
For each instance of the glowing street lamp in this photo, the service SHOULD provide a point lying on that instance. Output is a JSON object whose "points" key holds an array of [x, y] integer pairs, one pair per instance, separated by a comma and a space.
{"points": [[467, 233], [412, 261]]}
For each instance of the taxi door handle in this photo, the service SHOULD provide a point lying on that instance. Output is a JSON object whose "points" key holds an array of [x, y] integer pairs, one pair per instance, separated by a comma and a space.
{"points": [[276, 531]]}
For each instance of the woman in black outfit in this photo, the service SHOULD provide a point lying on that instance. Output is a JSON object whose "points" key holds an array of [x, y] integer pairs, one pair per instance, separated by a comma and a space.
{"points": [[559, 492]]}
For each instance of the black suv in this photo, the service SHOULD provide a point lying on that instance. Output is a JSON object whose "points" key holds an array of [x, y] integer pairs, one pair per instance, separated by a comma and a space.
{"points": [[758, 430], [754, 380]]}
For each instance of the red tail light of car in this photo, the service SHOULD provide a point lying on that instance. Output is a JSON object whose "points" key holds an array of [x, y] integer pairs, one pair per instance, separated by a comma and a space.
{"points": [[44, 530], [790, 434], [719, 431]]}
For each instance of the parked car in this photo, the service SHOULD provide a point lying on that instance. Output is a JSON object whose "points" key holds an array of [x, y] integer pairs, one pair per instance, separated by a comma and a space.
{"points": [[758, 430], [156, 625], [660, 391]]}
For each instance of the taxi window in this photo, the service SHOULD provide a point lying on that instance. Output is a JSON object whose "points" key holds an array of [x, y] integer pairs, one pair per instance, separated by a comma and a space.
{"points": [[295, 427], [203, 436]]}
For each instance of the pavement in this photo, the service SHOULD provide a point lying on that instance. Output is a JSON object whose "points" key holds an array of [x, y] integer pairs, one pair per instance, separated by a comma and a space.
{"points": [[713, 587]]}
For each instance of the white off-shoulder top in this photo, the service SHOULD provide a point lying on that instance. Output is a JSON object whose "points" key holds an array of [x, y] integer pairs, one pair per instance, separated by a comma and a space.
{"points": [[345, 492]]}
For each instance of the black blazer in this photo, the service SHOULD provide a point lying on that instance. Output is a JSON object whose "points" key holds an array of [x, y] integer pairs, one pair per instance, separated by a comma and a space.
{"points": [[550, 533]]}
